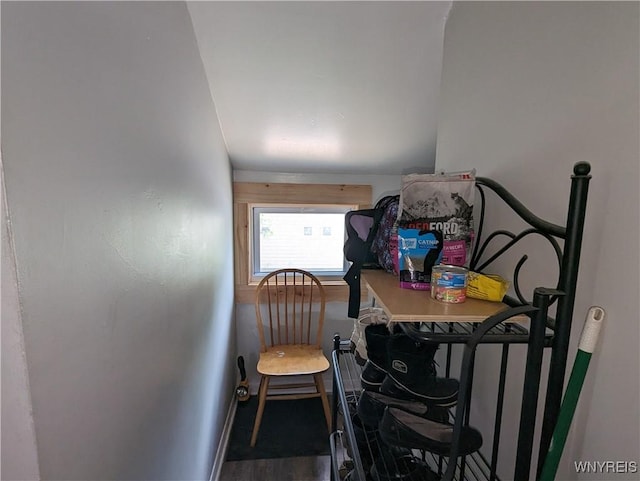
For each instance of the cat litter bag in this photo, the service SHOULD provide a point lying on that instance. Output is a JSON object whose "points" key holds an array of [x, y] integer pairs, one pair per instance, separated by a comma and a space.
{"points": [[444, 203], [418, 252]]}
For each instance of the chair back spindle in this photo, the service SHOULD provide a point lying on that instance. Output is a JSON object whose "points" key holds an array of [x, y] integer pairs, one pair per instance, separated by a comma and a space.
{"points": [[293, 303]]}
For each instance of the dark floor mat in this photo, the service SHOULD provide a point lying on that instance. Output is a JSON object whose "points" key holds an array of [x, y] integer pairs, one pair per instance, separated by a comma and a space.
{"points": [[289, 428]]}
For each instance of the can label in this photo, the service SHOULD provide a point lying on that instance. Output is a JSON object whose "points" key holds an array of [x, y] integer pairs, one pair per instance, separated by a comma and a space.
{"points": [[447, 279], [449, 284]]}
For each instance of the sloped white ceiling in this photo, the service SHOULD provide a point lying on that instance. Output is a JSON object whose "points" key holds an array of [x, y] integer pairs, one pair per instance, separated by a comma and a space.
{"points": [[324, 86]]}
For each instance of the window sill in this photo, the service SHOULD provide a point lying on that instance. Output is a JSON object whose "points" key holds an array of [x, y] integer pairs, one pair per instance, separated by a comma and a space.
{"points": [[336, 291]]}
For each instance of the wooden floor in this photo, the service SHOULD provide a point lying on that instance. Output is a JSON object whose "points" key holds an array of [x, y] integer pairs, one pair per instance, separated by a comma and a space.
{"points": [[308, 468]]}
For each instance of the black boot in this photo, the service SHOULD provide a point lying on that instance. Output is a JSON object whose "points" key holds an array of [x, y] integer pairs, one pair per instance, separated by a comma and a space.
{"points": [[411, 373], [371, 406], [400, 428], [375, 368]]}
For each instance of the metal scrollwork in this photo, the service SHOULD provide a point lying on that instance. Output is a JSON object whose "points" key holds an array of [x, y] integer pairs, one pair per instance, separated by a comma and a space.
{"points": [[546, 230]]}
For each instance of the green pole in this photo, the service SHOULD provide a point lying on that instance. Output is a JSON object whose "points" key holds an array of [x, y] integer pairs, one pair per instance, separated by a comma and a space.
{"points": [[588, 340]]}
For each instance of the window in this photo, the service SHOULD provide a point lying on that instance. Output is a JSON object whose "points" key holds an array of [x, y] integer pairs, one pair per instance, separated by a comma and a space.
{"points": [[292, 225], [307, 237]]}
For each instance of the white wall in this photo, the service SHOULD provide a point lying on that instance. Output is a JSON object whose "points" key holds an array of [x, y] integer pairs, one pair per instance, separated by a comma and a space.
{"points": [[336, 319], [528, 89], [119, 195], [19, 457]]}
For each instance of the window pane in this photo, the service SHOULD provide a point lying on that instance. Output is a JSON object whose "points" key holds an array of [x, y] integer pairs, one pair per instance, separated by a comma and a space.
{"points": [[307, 240]]}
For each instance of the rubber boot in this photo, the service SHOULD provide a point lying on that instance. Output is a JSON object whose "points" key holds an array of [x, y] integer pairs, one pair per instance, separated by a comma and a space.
{"points": [[375, 369], [400, 428], [411, 373], [371, 407]]}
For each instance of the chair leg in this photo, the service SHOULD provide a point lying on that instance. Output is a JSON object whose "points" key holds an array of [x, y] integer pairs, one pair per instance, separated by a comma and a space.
{"points": [[262, 399], [323, 395]]}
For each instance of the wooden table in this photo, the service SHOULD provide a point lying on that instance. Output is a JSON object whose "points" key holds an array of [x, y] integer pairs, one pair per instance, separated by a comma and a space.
{"points": [[408, 305]]}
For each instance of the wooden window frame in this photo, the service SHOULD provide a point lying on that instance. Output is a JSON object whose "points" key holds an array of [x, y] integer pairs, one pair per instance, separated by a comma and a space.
{"points": [[246, 194]]}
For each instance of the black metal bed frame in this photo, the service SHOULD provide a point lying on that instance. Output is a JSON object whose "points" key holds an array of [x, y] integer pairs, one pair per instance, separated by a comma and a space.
{"points": [[544, 332]]}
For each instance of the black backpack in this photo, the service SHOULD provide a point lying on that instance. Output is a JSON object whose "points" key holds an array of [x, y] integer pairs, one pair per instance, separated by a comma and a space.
{"points": [[362, 228]]}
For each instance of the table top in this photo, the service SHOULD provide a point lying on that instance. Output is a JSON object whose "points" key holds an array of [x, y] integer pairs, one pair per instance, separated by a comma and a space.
{"points": [[408, 305]]}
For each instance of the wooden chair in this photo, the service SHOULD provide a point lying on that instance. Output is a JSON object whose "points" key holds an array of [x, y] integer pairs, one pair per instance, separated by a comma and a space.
{"points": [[290, 306]]}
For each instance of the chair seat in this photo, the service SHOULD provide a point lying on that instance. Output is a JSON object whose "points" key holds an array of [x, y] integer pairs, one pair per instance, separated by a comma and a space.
{"points": [[291, 360]]}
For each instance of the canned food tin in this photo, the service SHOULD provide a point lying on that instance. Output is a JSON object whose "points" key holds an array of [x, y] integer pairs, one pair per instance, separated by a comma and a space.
{"points": [[449, 283]]}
